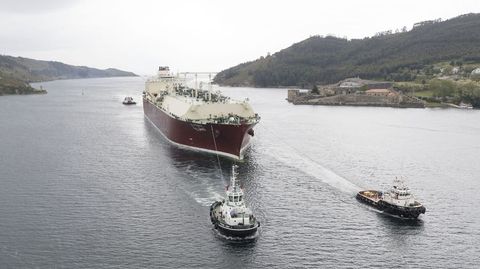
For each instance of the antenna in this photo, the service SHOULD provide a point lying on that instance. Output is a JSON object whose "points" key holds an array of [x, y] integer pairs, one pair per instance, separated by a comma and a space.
{"points": [[196, 82], [210, 87], [234, 179]]}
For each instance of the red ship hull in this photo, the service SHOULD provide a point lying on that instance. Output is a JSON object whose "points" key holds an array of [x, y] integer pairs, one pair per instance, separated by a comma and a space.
{"points": [[229, 140]]}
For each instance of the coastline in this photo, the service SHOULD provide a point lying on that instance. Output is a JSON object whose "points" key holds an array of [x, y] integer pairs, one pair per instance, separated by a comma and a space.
{"points": [[35, 91]]}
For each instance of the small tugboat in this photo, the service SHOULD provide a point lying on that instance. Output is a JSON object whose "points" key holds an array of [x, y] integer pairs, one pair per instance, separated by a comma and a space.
{"points": [[128, 101], [398, 201], [231, 217]]}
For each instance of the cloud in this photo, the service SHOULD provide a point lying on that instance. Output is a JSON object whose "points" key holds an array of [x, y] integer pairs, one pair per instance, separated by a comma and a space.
{"points": [[35, 6], [211, 35]]}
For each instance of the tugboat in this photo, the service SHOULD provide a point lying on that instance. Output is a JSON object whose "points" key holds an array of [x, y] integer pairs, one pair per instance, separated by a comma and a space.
{"points": [[128, 101], [398, 201], [231, 217]]}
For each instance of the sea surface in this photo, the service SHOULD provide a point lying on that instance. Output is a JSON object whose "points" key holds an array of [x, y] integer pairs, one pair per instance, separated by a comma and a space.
{"points": [[86, 182]]}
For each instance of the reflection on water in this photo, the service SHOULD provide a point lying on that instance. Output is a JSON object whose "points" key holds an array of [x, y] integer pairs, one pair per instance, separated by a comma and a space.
{"points": [[401, 232]]}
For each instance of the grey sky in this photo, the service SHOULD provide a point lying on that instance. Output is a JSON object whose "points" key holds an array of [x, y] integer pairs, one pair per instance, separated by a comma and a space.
{"points": [[194, 35]]}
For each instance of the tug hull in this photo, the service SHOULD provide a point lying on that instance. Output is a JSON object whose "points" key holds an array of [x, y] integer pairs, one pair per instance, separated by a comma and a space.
{"points": [[374, 199], [241, 231]]}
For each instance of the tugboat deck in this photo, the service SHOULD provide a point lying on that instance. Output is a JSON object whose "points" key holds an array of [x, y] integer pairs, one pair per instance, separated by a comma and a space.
{"points": [[391, 203], [372, 195], [217, 212]]}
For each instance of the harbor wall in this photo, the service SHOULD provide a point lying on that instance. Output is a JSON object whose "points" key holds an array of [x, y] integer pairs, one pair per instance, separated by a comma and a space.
{"points": [[396, 100]]}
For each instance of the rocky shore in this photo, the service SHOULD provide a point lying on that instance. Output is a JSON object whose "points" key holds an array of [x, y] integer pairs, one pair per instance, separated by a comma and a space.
{"points": [[10, 86], [399, 100]]}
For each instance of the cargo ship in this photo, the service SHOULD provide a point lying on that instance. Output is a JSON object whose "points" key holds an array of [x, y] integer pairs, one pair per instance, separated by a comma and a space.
{"points": [[398, 201], [198, 119]]}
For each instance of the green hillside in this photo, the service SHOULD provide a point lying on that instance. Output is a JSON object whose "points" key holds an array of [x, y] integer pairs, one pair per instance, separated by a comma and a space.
{"points": [[400, 56], [30, 70], [9, 85], [17, 72]]}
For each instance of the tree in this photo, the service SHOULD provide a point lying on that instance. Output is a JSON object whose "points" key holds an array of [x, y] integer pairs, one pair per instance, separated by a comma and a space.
{"points": [[447, 70], [315, 89], [442, 88], [470, 93], [326, 60], [364, 88]]}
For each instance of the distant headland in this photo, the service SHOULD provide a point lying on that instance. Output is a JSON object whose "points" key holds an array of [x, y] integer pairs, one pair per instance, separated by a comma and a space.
{"points": [[17, 72]]}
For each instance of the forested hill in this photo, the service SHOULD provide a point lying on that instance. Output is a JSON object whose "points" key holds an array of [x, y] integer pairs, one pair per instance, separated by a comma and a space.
{"points": [[386, 56], [29, 70]]}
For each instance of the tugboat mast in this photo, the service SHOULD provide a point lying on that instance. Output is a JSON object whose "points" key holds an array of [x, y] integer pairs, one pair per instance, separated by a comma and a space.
{"points": [[233, 179]]}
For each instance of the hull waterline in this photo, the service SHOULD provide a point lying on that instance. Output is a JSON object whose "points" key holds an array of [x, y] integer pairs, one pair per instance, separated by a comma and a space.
{"points": [[229, 140], [238, 231]]}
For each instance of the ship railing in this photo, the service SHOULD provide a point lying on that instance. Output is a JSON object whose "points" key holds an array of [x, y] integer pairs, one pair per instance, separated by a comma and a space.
{"points": [[416, 204], [225, 119], [252, 224]]}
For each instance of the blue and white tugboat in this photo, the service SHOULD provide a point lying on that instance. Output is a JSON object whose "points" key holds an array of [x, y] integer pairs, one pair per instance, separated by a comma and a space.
{"points": [[398, 201], [231, 216]]}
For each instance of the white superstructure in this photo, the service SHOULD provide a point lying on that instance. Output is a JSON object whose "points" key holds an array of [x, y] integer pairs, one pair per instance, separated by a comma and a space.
{"points": [[234, 210], [170, 93], [399, 195]]}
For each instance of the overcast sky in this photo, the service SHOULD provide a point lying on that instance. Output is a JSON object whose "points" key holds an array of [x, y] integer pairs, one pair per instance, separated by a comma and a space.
{"points": [[195, 35]]}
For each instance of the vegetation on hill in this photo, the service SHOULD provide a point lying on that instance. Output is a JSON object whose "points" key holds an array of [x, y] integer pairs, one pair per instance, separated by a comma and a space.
{"points": [[17, 72], [10, 85], [399, 56], [444, 90], [29, 70]]}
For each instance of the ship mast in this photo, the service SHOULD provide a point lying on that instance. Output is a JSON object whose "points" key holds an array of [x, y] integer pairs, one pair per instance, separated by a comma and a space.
{"points": [[233, 179], [209, 87], [196, 84]]}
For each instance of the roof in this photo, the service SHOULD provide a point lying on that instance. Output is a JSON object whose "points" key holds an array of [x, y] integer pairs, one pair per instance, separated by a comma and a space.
{"points": [[378, 91]]}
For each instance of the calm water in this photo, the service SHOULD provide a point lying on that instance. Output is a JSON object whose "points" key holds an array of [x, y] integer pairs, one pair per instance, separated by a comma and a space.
{"points": [[86, 182]]}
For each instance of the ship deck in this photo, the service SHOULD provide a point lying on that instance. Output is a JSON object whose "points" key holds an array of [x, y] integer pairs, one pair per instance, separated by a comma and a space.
{"points": [[371, 195], [200, 101], [219, 120], [217, 212]]}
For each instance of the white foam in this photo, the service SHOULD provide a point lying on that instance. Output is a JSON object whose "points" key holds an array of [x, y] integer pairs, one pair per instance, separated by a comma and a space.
{"points": [[206, 198], [309, 166]]}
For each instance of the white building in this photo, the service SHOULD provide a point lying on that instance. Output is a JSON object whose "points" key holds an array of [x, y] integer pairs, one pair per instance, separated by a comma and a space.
{"points": [[476, 71]]}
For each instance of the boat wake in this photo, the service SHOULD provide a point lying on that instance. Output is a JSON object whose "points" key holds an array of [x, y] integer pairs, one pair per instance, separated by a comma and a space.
{"points": [[206, 198], [309, 166], [207, 201]]}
